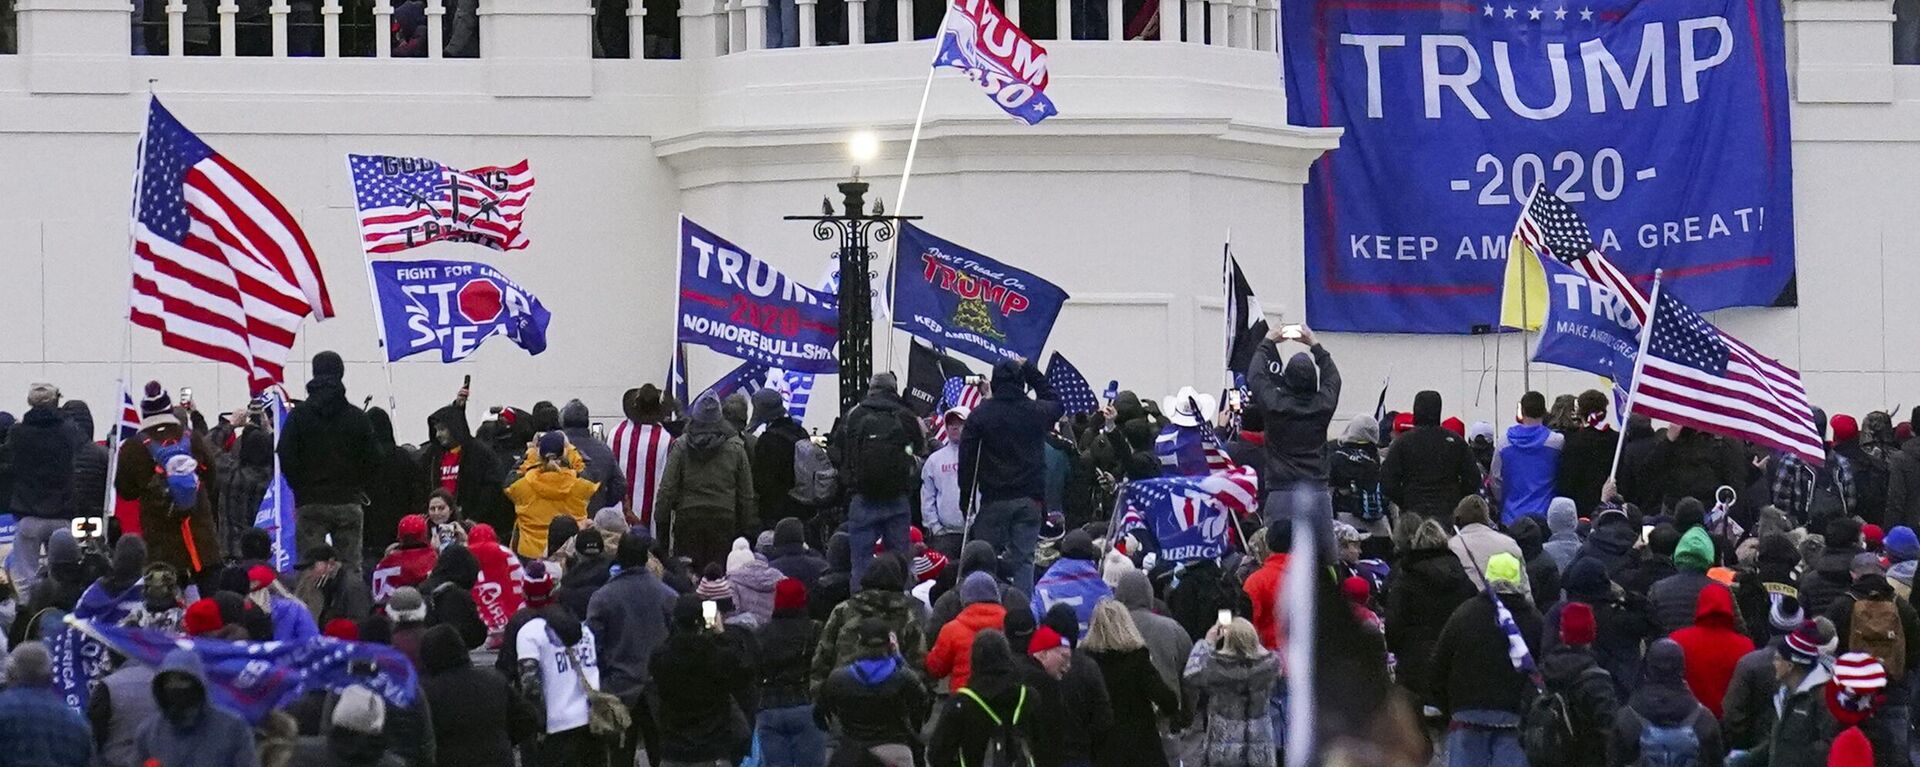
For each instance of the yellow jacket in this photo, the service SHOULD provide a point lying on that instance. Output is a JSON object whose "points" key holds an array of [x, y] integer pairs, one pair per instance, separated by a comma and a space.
{"points": [[538, 497]]}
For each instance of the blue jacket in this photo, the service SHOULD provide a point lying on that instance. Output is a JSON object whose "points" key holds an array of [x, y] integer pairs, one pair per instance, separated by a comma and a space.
{"points": [[1525, 463], [1002, 450], [1073, 581], [629, 619]]}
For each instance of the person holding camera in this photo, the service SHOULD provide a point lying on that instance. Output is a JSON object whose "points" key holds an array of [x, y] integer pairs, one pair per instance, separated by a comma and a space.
{"points": [[37, 461], [1296, 402], [327, 457]]}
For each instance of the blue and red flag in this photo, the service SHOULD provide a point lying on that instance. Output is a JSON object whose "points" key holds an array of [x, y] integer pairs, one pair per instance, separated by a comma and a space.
{"points": [[996, 55], [275, 514], [1188, 517]]}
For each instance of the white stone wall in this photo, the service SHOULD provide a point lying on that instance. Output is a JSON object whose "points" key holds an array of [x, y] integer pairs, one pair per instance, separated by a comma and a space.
{"points": [[1162, 149]]}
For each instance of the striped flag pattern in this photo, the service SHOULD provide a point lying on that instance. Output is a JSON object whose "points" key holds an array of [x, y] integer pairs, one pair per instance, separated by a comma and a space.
{"points": [[220, 268], [1517, 652], [957, 393], [640, 450], [1550, 227], [406, 202], [275, 514], [129, 415], [1695, 375]]}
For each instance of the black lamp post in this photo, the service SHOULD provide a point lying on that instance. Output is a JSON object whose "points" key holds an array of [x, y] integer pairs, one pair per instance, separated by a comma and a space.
{"points": [[854, 228]]}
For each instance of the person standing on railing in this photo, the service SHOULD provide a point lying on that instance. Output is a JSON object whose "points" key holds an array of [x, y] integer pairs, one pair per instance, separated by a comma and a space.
{"points": [[463, 29], [783, 24]]}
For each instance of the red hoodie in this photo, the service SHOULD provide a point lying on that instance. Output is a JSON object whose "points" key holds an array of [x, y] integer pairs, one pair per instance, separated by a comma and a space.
{"points": [[1264, 588], [1713, 646]]}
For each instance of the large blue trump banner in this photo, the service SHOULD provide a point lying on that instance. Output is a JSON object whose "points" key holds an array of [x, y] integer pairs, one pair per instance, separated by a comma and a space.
{"points": [[966, 302], [741, 306], [1588, 326], [1663, 121]]}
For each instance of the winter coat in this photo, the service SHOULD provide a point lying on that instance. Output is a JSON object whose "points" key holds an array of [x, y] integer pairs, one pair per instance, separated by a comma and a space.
{"points": [[1422, 594], [695, 678], [848, 438], [408, 565], [952, 653], [708, 478], [118, 705], [1662, 699], [1638, 479], [1474, 545], [753, 585], [600, 467], [1470, 668], [1003, 449], [1829, 577], [192, 544], [326, 447], [89, 495], [1197, 591], [40, 450], [449, 593], [339, 595], [1610, 543], [1543, 574], [1714, 646], [1073, 580], [1903, 485], [1876, 589], [1802, 733], [1747, 708], [1140, 700], [477, 489], [629, 618], [1296, 404], [243, 485], [1526, 459], [214, 738], [394, 490], [1592, 702], [789, 554], [1563, 541], [1694, 467], [1264, 588], [1585, 460], [786, 644], [962, 729], [499, 592], [1228, 697], [1621, 623], [1167, 643], [1429, 469], [1673, 597], [538, 497], [773, 468], [582, 579], [475, 713], [873, 702], [839, 637]]}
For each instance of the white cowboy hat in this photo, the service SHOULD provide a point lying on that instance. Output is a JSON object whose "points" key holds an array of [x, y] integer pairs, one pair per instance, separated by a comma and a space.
{"points": [[1189, 408]]}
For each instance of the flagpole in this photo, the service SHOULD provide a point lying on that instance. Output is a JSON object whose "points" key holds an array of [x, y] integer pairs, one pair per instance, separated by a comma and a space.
{"points": [[1639, 364], [1226, 307], [126, 348], [379, 315], [906, 176]]}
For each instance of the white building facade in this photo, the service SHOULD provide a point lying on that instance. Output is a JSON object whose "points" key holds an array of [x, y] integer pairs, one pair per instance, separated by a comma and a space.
{"points": [[1164, 148]]}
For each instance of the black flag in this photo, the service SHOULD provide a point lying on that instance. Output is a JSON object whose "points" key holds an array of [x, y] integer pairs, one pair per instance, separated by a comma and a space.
{"points": [[927, 372], [1246, 324]]}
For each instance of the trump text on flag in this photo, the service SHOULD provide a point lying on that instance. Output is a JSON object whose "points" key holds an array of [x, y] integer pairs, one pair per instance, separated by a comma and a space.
{"points": [[739, 305], [996, 55], [958, 299], [1455, 112]]}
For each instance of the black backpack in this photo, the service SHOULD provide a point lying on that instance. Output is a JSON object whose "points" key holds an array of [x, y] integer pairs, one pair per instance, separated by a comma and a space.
{"points": [[1007, 747], [883, 462], [1354, 476], [1547, 726]]}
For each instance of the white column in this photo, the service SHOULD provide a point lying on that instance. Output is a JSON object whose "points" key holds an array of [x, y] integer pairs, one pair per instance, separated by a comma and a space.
{"points": [[756, 36], [330, 23], [278, 11], [903, 20], [437, 30], [1842, 51], [1266, 24], [1013, 11], [76, 46], [229, 42], [702, 31], [383, 29], [857, 21], [537, 48], [1240, 24], [1063, 19], [736, 26], [1116, 20], [1218, 13], [636, 29], [807, 21], [1194, 31]]}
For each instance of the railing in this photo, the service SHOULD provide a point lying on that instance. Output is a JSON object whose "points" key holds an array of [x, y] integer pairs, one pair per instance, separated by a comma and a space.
{"points": [[307, 28]]}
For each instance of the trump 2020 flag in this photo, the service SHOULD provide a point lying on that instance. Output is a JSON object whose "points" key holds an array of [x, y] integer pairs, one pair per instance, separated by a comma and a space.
{"points": [[741, 306], [406, 202], [961, 300], [997, 56], [1586, 324], [1187, 517], [1075, 395], [452, 306], [276, 507], [253, 679], [79, 659]]}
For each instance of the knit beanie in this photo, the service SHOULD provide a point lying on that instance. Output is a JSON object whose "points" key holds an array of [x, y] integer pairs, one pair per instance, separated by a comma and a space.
{"points": [[406, 605], [342, 628], [789, 594], [927, 565], [538, 585], [1901, 544], [979, 587], [1503, 568], [1873, 535], [740, 556], [714, 588], [360, 710], [1803, 646], [611, 520], [1045, 639], [156, 408], [202, 618], [1577, 625], [589, 543]]}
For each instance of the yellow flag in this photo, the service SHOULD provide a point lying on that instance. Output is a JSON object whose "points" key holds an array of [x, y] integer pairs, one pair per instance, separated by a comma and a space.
{"points": [[1523, 296]]}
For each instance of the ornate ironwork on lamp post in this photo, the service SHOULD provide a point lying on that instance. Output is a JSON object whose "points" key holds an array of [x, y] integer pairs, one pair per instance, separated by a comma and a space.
{"points": [[855, 228]]}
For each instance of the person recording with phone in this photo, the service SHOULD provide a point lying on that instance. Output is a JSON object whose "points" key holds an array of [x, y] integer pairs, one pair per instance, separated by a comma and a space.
{"points": [[1296, 401]]}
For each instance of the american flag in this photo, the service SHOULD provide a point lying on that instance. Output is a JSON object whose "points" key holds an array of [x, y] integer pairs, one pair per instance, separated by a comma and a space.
{"points": [[677, 376], [129, 415], [1695, 375], [795, 388], [746, 379], [1076, 396], [406, 202], [1190, 451], [957, 393], [1550, 227], [220, 269]]}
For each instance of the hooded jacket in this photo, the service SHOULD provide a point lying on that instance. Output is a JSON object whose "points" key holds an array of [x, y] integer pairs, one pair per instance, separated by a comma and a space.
{"points": [[41, 448], [1167, 642], [976, 555], [1003, 449], [199, 735], [1592, 703], [1875, 588], [786, 644], [477, 488], [1296, 404], [1584, 463], [474, 712], [874, 701], [880, 597], [1475, 545], [1563, 525], [952, 651], [601, 469], [1827, 579], [1230, 694], [408, 565], [1714, 646], [542, 494], [1694, 466], [1662, 700], [1423, 590], [753, 585], [1673, 597], [1429, 469], [167, 537], [695, 676], [449, 593], [1525, 461], [89, 493], [629, 618], [394, 490], [789, 553], [326, 447], [1073, 579], [708, 475], [1903, 485], [1471, 670], [773, 459], [1543, 575]]}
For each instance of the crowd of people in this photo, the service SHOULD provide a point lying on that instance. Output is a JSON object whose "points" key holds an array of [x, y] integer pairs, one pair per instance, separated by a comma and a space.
{"points": [[711, 583]]}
